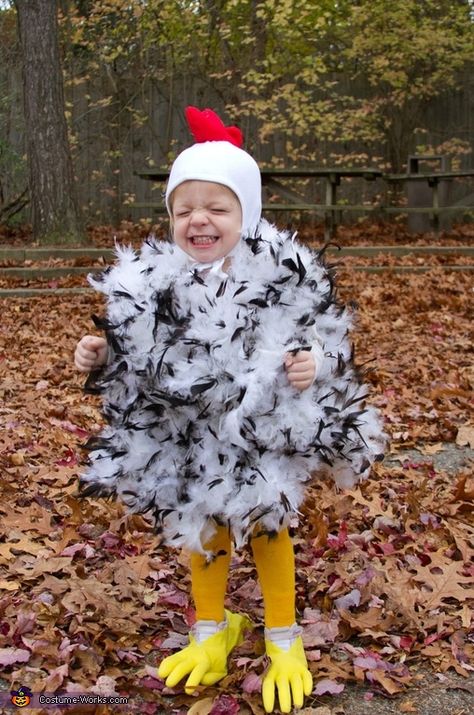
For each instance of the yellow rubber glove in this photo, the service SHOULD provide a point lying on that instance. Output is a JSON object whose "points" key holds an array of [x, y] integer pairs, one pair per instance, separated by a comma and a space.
{"points": [[288, 673], [205, 662]]}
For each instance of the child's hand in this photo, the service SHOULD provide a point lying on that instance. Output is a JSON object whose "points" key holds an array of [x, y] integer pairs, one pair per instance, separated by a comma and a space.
{"points": [[301, 369], [91, 352]]}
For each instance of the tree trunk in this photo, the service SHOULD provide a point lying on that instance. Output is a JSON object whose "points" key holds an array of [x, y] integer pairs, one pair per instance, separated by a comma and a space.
{"points": [[54, 210]]}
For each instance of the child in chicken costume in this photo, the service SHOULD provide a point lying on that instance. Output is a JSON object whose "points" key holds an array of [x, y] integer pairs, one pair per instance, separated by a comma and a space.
{"points": [[228, 384]]}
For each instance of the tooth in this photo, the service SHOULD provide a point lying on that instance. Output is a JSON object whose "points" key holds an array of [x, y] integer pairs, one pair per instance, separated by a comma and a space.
{"points": [[203, 240]]}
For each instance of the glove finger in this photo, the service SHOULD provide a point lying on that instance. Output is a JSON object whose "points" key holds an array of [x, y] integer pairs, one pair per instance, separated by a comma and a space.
{"points": [[179, 671], [268, 692], [211, 678], [196, 675], [307, 682], [167, 665], [284, 695], [297, 690]]}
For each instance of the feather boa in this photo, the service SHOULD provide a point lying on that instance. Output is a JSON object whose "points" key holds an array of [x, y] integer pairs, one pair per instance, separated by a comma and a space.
{"points": [[204, 426]]}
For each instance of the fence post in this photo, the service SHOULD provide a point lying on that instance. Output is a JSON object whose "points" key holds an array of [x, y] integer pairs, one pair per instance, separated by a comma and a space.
{"points": [[432, 192]]}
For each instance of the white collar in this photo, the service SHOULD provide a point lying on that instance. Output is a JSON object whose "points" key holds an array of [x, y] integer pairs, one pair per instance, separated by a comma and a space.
{"points": [[214, 267]]}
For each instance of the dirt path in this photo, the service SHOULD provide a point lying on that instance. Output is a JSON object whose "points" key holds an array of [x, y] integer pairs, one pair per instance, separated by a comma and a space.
{"points": [[450, 457], [441, 694]]}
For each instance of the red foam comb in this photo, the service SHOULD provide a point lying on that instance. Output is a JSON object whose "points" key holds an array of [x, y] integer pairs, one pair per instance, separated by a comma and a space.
{"points": [[206, 126]]}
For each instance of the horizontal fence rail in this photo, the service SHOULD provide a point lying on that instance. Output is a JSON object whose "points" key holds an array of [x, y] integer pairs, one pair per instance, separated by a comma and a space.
{"points": [[29, 274], [331, 210]]}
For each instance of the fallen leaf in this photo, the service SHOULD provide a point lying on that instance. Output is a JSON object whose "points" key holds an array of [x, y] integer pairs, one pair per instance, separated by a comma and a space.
{"points": [[17, 459], [10, 549], [385, 681], [8, 656], [350, 600], [466, 616], [252, 683], [327, 686], [465, 436], [444, 582], [430, 449], [105, 685], [225, 705], [175, 641], [202, 707], [461, 493], [9, 585], [56, 678]]}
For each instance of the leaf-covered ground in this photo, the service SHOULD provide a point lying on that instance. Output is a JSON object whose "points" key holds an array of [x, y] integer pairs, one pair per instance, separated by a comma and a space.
{"points": [[385, 573], [364, 232]]}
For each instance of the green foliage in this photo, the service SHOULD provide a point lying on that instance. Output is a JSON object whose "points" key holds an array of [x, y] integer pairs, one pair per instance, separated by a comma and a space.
{"points": [[409, 53], [320, 74], [410, 49]]}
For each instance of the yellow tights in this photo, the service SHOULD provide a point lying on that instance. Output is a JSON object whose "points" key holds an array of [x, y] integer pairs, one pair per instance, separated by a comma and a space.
{"points": [[209, 580], [275, 563]]}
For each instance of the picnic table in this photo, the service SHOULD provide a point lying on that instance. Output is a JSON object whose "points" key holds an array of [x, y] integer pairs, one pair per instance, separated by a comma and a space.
{"points": [[271, 180], [332, 177]]}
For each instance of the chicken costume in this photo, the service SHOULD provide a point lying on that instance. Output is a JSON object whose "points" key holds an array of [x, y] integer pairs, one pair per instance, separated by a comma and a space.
{"points": [[206, 435]]}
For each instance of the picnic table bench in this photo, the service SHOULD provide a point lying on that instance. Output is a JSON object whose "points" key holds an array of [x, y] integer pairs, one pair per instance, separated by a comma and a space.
{"points": [[434, 181], [332, 176]]}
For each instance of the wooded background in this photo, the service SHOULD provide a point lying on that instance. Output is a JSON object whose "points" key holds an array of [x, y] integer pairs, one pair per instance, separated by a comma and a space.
{"points": [[311, 83]]}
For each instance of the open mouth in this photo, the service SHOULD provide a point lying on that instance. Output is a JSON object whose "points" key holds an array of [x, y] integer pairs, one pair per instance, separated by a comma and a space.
{"points": [[203, 240]]}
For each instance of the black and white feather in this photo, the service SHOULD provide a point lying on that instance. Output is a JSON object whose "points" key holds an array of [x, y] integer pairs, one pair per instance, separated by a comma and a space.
{"points": [[204, 426]]}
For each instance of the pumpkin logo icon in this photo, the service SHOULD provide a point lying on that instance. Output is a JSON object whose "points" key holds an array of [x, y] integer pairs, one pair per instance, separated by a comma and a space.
{"points": [[21, 697]]}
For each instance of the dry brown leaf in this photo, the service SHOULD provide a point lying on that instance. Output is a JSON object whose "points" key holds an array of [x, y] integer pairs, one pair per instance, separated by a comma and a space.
{"points": [[386, 682], [443, 581], [463, 536], [461, 493], [374, 504], [432, 448], [10, 549], [465, 436], [466, 616], [202, 707], [17, 459], [9, 585]]}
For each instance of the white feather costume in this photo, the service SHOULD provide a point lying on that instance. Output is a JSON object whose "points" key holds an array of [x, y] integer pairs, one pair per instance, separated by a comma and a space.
{"points": [[204, 426]]}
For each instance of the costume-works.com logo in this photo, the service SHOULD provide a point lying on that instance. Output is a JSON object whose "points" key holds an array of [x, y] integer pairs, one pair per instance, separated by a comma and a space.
{"points": [[21, 697]]}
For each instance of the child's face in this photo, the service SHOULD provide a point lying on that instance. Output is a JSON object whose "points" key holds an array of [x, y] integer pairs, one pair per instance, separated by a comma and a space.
{"points": [[206, 218]]}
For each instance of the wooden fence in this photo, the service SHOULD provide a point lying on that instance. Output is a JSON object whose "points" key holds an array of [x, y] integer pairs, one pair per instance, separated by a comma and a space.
{"points": [[109, 149]]}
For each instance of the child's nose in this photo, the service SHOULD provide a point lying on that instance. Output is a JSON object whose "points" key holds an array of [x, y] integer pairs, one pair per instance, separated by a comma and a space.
{"points": [[199, 216]]}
